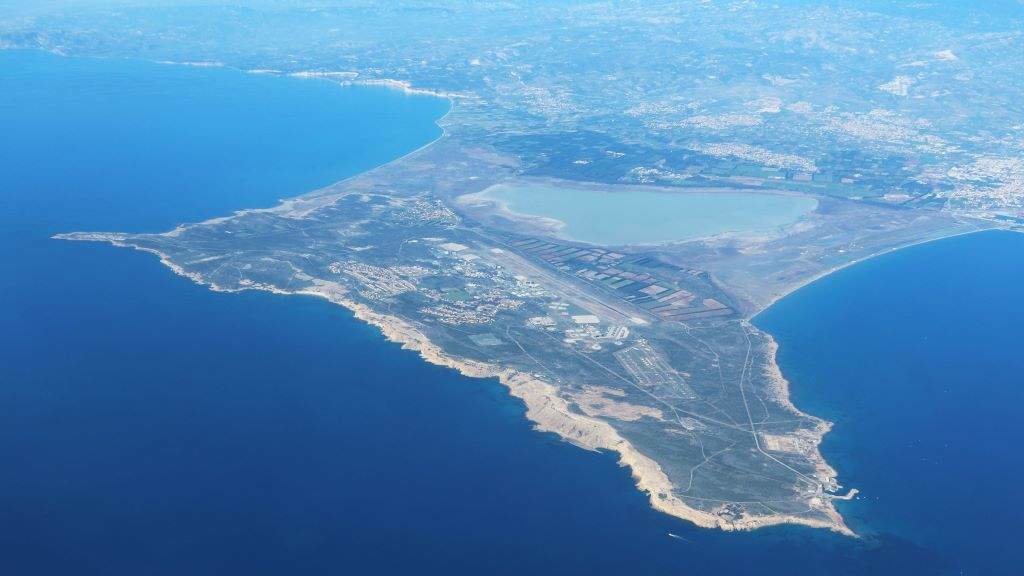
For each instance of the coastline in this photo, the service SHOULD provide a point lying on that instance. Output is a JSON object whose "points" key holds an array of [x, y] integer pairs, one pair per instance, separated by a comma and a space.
{"points": [[789, 290], [402, 86], [824, 471], [781, 385], [544, 407], [548, 411]]}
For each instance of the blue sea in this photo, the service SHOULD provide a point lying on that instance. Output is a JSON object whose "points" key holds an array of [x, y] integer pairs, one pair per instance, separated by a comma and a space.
{"points": [[150, 426], [916, 357]]}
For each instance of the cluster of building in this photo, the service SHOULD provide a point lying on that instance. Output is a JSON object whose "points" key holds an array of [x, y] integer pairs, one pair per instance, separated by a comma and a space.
{"points": [[422, 211], [375, 282], [478, 290]]}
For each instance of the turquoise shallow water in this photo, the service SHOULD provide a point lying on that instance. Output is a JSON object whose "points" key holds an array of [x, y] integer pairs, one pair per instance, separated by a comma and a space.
{"points": [[150, 426], [646, 217]]}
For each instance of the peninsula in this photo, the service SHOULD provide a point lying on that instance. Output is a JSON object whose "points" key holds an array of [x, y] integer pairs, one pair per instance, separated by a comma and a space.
{"points": [[619, 190], [645, 350]]}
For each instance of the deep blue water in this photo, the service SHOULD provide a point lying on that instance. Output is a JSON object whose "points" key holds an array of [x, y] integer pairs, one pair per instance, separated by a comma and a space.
{"points": [[149, 426], [916, 356]]}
